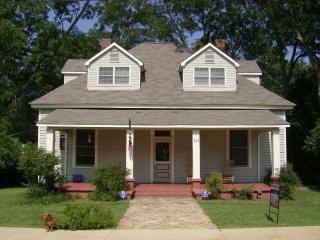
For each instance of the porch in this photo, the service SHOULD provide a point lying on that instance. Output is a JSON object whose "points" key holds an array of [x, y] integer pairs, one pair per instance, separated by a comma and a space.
{"points": [[172, 190]]}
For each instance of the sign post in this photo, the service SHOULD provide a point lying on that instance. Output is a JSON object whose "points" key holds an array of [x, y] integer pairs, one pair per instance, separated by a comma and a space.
{"points": [[275, 200]]}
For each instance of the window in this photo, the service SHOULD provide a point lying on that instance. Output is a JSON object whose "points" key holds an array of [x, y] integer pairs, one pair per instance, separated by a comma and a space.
{"points": [[217, 76], [122, 75], [202, 76], [209, 56], [105, 75], [85, 147], [114, 56], [238, 147], [113, 75]]}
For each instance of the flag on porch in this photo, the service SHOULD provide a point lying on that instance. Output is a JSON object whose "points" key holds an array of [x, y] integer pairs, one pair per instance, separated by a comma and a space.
{"points": [[130, 133]]}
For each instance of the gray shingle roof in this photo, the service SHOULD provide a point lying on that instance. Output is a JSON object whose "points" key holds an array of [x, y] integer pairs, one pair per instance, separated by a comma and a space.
{"points": [[162, 87], [163, 117], [248, 66], [74, 65]]}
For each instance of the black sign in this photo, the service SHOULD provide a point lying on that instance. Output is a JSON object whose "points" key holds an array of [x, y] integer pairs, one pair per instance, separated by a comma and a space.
{"points": [[274, 199]]}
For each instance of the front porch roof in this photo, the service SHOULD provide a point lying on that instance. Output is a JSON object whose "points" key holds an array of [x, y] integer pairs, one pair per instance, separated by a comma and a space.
{"points": [[163, 118]]}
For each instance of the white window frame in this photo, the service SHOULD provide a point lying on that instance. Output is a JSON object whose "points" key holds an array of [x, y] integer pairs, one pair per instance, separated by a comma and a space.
{"points": [[249, 148], [113, 77], [74, 138], [114, 51], [209, 83]]}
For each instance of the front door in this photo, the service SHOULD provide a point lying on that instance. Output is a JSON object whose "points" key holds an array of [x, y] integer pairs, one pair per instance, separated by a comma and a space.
{"points": [[162, 161]]}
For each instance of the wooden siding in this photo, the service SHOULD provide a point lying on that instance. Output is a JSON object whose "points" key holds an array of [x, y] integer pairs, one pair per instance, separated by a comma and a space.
{"points": [[255, 79], [265, 154], [142, 157], [104, 61], [182, 155], [67, 77], [219, 61]]}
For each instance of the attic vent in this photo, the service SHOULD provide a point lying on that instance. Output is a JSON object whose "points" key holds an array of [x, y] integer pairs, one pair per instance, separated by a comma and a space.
{"points": [[114, 56], [209, 56]]}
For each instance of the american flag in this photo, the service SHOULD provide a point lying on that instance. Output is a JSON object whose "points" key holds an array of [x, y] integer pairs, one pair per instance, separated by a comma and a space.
{"points": [[130, 133]]}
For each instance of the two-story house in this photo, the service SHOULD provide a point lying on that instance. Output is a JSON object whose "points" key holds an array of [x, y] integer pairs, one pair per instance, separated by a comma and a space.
{"points": [[190, 112]]}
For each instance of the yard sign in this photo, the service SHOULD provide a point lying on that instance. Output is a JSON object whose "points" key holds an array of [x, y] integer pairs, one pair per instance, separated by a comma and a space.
{"points": [[275, 200]]}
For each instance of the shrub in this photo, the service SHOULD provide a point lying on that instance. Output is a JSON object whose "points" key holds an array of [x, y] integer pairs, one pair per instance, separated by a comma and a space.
{"points": [[267, 178], [37, 194], [86, 216], [214, 185], [109, 181], [9, 156], [35, 163], [288, 181], [243, 194]]}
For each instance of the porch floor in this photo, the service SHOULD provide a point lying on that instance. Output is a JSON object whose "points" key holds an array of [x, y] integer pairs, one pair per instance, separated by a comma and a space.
{"points": [[170, 190]]}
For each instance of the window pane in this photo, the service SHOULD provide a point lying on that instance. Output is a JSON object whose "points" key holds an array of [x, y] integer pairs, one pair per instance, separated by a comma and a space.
{"points": [[238, 138], [85, 147], [105, 71], [201, 76], [239, 156], [162, 151], [121, 80], [105, 79], [162, 133], [122, 71], [217, 76]]}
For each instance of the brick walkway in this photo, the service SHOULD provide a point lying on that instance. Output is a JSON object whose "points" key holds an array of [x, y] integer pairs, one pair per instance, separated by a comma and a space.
{"points": [[165, 213]]}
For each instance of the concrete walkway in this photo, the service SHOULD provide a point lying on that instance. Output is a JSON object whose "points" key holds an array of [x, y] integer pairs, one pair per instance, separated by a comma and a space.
{"points": [[285, 233], [165, 213]]}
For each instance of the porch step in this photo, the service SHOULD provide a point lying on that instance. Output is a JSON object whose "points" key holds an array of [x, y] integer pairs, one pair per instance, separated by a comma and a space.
{"points": [[163, 190]]}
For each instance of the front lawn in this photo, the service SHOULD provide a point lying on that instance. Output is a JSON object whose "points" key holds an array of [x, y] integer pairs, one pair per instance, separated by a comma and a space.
{"points": [[15, 214], [303, 211]]}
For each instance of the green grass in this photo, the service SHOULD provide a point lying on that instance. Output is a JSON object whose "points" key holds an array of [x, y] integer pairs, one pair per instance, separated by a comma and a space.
{"points": [[13, 213], [303, 211]]}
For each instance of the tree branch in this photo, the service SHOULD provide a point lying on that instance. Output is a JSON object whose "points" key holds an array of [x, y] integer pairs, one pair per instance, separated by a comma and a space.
{"points": [[75, 21]]}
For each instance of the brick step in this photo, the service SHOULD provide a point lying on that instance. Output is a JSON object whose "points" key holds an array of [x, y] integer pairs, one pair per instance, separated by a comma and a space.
{"points": [[146, 194]]}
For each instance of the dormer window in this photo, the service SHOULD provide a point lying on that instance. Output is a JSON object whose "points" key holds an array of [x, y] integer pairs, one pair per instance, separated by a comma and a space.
{"points": [[209, 76], [114, 56], [113, 76], [209, 56]]}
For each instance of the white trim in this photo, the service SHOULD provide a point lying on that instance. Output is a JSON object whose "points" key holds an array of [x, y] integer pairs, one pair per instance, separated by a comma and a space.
{"points": [[183, 63], [209, 77], [196, 158], [87, 63], [167, 126], [74, 165], [250, 74], [114, 84], [255, 107], [77, 73], [151, 156], [259, 158]]}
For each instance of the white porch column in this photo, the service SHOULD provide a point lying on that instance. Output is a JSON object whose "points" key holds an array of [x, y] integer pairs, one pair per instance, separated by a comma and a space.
{"points": [[275, 152], [129, 157], [196, 158], [50, 139]]}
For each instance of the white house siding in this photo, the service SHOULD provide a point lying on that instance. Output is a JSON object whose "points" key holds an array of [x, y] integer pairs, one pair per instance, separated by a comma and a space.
{"points": [[252, 78], [67, 77], [104, 61], [142, 157], [182, 155], [212, 151], [283, 138], [219, 61], [265, 154], [42, 130]]}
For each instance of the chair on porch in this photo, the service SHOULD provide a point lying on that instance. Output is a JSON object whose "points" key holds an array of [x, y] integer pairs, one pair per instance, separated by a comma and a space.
{"points": [[228, 171]]}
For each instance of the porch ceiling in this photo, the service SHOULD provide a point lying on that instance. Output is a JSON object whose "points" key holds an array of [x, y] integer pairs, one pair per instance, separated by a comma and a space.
{"points": [[164, 118]]}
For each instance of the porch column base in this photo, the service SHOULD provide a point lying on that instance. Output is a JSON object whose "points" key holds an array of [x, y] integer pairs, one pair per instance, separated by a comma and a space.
{"points": [[130, 183], [196, 183]]}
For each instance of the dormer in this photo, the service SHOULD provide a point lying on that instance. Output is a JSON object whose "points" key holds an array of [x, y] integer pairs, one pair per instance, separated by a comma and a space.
{"points": [[209, 69], [114, 68], [250, 70]]}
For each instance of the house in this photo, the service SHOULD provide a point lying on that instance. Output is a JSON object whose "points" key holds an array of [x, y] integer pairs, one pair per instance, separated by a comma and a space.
{"points": [[190, 112]]}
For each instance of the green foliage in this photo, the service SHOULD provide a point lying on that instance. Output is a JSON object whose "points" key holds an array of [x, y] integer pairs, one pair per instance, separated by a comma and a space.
{"points": [[288, 181], [243, 194], [35, 163], [312, 142], [215, 184], [267, 177], [109, 181], [86, 216], [9, 156], [39, 195]]}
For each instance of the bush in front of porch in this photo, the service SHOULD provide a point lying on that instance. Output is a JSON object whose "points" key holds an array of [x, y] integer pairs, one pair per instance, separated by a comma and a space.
{"points": [[215, 185], [109, 181]]}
